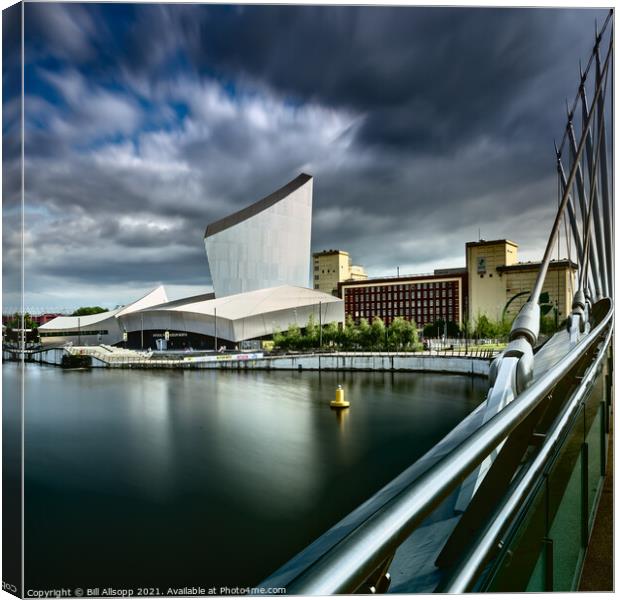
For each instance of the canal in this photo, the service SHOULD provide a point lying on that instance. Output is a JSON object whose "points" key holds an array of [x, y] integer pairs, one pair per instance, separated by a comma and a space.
{"points": [[205, 478]]}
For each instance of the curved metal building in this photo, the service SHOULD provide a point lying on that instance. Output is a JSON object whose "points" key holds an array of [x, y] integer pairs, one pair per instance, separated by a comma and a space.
{"points": [[260, 266], [264, 245]]}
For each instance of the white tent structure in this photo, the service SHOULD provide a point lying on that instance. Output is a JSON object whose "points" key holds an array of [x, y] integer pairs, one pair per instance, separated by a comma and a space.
{"points": [[240, 317], [102, 328]]}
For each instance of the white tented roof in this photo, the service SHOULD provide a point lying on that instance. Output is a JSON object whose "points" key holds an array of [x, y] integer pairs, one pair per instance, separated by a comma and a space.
{"points": [[67, 323], [156, 296], [248, 304]]}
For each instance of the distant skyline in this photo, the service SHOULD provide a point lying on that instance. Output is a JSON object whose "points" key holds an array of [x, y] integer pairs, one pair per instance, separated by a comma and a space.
{"points": [[144, 123]]}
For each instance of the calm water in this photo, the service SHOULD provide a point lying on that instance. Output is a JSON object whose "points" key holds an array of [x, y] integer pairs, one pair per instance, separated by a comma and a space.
{"points": [[202, 478]]}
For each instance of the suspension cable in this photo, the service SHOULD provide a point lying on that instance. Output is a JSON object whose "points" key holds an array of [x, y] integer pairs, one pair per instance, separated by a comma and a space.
{"points": [[551, 241], [593, 185]]}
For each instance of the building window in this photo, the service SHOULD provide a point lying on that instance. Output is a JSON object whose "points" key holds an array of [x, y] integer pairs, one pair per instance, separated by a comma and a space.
{"points": [[72, 333]]}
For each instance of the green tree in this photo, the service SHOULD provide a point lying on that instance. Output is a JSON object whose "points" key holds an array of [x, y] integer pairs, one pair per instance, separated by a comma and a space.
{"points": [[364, 335], [435, 329], [311, 335], [402, 335], [279, 339], [331, 334], [377, 339], [453, 329], [350, 335], [88, 310], [503, 328], [485, 328], [293, 337]]}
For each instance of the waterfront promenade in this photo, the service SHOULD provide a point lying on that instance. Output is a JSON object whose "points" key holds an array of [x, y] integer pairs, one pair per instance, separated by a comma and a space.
{"points": [[475, 363]]}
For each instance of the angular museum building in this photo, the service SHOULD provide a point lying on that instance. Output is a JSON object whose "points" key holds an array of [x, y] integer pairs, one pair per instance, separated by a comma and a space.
{"points": [[259, 258], [264, 245]]}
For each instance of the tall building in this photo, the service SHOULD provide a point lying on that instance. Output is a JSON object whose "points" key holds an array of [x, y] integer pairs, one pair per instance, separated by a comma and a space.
{"points": [[487, 289], [330, 267], [499, 285], [264, 245]]}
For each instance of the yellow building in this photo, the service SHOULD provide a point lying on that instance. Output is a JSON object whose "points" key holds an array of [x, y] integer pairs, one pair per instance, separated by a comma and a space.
{"points": [[331, 267], [559, 286], [498, 283]]}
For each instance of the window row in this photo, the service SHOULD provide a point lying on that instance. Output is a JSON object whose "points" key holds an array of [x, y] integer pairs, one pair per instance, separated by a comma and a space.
{"points": [[70, 333]]}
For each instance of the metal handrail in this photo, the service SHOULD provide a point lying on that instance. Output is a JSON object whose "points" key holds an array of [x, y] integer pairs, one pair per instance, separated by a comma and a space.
{"points": [[471, 567], [348, 564]]}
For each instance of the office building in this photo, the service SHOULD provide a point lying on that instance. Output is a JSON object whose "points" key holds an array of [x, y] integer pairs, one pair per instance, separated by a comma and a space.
{"points": [[420, 298]]}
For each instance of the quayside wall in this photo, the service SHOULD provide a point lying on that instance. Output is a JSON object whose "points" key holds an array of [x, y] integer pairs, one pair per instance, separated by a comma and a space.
{"points": [[341, 361]]}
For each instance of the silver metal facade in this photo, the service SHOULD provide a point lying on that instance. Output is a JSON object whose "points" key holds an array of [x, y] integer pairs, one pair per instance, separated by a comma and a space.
{"points": [[268, 249]]}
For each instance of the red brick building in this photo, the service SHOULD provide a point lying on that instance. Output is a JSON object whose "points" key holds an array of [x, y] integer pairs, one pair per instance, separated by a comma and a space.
{"points": [[420, 298]]}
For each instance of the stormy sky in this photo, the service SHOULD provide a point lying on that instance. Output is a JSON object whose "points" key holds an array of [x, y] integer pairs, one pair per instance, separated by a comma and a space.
{"points": [[143, 123]]}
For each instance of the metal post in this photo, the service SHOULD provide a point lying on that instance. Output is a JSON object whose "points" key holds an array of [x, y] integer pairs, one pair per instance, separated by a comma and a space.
{"points": [[548, 545], [215, 333], [320, 326], [141, 332], [79, 333], [584, 495], [603, 437]]}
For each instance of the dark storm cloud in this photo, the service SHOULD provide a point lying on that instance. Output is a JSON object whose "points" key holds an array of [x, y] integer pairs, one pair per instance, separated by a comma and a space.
{"points": [[430, 78], [146, 122]]}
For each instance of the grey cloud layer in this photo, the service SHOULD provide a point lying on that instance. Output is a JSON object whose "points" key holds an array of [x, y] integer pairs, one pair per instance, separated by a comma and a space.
{"points": [[419, 125]]}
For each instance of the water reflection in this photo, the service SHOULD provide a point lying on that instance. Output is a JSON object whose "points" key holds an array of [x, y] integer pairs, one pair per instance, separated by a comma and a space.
{"points": [[198, 477]]}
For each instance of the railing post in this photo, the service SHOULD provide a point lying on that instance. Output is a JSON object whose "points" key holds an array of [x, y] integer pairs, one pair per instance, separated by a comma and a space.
{"points": [[548, 545], [584, 495], [604, 432]]}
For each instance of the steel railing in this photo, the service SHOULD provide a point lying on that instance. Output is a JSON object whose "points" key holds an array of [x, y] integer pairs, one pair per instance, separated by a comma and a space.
{"points": [[464, 576], [360, 554]]}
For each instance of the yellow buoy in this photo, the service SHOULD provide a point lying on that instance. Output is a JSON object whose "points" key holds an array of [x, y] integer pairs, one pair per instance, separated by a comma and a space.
{"points": [[339, 401]]}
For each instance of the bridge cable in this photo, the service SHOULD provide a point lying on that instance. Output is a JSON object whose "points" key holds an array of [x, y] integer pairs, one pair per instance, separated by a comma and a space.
{"points": [[593, 184], [527, 323]]}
